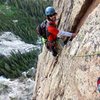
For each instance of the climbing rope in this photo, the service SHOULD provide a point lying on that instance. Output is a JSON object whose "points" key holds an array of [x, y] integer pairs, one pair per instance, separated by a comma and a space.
{"points": [[98, 54]]}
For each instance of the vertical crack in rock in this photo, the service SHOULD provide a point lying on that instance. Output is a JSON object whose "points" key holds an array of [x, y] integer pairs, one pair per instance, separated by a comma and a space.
{"points": [[74, 80], [59, 20], [87, 8]]}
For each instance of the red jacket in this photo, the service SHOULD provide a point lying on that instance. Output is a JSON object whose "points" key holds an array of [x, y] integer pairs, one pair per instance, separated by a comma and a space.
{"points": [[52, 29], [98, 82]]}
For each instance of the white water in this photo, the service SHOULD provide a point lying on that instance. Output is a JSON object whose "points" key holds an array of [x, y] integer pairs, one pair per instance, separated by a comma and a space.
{"points": [[19, 89], [9, 42], [22, 88]]}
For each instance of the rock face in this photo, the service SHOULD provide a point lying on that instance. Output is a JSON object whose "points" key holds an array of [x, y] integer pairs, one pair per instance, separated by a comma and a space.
{"points": [[73, 75]]}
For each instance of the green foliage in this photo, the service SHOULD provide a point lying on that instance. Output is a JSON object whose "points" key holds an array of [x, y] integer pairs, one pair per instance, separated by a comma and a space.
{"points": [[6, 10], [24, 27], [14, 65], [28, 13], [21, 17], [2, 1], [32, 7]]}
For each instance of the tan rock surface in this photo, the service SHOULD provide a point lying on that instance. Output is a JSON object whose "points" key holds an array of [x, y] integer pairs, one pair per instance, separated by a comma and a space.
{"points": [[73, 75]]}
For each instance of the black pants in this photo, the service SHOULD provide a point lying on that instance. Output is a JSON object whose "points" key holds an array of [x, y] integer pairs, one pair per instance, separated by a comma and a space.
{"points": [[52, 47]]}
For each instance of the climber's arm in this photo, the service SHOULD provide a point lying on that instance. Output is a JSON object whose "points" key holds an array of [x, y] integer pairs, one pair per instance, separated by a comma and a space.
{"points": [[67, 34]]}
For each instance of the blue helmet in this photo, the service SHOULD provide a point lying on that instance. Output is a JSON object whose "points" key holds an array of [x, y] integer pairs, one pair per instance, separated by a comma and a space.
{"points": [[50, 11]]}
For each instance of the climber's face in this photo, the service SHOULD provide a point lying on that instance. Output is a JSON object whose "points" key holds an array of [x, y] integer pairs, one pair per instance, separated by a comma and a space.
{"points": [[53, 17]]}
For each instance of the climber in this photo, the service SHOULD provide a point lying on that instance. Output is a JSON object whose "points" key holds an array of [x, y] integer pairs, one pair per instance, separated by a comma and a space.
{"points": [[98, 84], [49, 32], [54, 32]]}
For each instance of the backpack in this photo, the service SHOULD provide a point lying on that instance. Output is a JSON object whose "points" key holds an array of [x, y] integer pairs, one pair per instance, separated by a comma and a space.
{"points": [[42, 30]]}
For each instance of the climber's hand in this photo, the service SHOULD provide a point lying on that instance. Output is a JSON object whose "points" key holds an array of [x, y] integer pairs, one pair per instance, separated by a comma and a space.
{"points": [[74, 34]]}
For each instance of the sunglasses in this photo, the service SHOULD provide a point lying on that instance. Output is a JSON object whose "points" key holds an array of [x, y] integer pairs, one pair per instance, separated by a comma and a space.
{"points": [[53, 15]]}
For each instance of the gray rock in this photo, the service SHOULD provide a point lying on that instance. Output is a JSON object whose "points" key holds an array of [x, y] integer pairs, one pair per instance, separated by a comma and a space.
{"points": [[31, 72], [73, 75]]}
